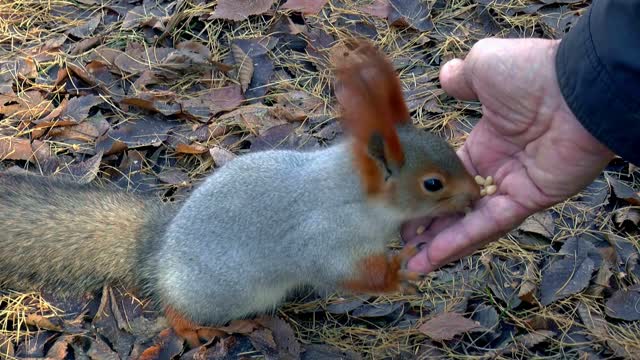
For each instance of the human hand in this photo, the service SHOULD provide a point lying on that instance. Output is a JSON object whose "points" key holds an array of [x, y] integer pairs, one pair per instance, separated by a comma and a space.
{"points": [[528, 140]]}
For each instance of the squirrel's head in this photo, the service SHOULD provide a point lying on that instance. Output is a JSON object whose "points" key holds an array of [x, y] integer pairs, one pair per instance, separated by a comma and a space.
{"points": [[430, 181], [415, 172]]}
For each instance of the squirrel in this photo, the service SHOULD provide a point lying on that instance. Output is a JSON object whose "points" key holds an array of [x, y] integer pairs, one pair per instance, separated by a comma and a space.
{"points": [[257, 228]]}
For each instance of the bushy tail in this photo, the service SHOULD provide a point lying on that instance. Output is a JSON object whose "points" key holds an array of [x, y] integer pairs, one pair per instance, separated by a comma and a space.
{"points": [[55, 233]]}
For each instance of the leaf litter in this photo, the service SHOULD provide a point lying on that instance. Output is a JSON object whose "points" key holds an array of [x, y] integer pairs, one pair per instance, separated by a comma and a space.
{"points": [[152, 95]]}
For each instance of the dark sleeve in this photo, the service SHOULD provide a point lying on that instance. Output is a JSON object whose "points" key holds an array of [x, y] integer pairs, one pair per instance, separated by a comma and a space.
{"points": [[598, 68]]}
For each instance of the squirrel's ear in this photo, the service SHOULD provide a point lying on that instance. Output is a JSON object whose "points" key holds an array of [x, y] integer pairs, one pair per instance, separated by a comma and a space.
{"points": [[370, 95], [377, 150]]}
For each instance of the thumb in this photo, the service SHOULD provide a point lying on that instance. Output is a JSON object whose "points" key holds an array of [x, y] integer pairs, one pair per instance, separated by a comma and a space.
{"points": [[454, 81]]}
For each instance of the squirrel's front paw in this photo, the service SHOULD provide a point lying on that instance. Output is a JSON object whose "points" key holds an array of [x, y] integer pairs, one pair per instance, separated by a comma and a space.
{"points": [[385, 273]]}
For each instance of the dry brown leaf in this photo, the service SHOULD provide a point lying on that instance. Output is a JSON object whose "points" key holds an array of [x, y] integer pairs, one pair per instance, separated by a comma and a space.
{"points": [[602, 279], [163, 102], [528, 286], [26, 68], [191, 149], [378, 8], [41, 322], [167, 346], [448, 325], [540, 223], [307, 7], [86, 29], [245, 66], [534, 338], [255, 118], [287, 345], [243, 326], [15, 149], [26, 106], [238, 10], [174, 177], [221, 155], [296, 105], [213, 102], [415, 14]]}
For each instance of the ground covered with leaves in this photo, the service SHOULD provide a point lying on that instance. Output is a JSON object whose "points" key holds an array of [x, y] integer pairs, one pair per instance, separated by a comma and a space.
{"points": [[154, 95]]}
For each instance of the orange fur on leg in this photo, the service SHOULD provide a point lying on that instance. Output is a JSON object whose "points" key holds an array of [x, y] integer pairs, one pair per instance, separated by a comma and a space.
{"points": [[381, 273], [188, 330]]}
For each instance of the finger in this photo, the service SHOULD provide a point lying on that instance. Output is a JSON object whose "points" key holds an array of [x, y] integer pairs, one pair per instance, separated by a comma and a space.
{"points": [[476, 229], [455, 82]]}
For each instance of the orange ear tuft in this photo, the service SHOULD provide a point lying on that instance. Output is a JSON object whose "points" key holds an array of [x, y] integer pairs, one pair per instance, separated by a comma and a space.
{"points": [[370, 95]]}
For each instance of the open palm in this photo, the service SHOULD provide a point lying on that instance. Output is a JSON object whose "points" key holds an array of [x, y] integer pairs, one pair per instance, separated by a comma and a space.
{"points": [[528, 140]]}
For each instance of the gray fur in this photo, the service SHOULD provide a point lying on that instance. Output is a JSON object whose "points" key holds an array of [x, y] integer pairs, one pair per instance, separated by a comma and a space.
{"points": [[58, 234], [261, 226]]}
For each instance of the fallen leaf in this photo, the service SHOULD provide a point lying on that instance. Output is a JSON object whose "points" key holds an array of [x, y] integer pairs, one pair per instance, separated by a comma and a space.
{"points": [[166, 346], [568, 274], [100, 350], [60, 349], [596, 194], [257, 50], [487, 316], [540, 223], [306, 7], [26, 68], [41, 322], [86, 171], [624, 304], [623, 191], [242, 326], [630, 214], [285, 136], [323, 352], [505, 280], [213, 102], [191, 149], [145, 15], [255, 118], [78, 108], [84, 45], [529, 286], [25, 106], [415, 14], [378, 8], [296, 105], [599, 331], [221, 155], [164, 102], [106, 323], [33, 347], [262, 340], [86, 29], [376, 310], [344, 306], [285, 339], [534, 338], [135, 133], [238, 10], [15, 149], [245, 66], [448, 325]]}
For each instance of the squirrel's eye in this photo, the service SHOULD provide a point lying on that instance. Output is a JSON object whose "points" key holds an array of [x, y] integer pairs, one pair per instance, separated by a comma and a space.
{"points": [[432, 184]]}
